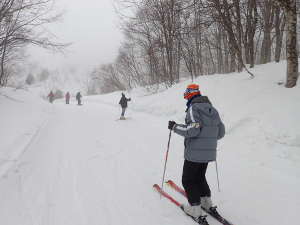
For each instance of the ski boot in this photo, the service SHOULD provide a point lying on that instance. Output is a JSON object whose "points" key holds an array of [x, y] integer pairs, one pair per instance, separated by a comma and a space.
{"points": [[207, 206], [196, 213]]}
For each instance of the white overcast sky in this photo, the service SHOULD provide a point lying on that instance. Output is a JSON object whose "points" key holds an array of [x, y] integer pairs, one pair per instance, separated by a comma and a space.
{"points": [[92, 28]]}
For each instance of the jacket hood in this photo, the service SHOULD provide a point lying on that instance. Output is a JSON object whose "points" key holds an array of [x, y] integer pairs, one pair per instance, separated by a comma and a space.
{"points": [[205, 106], [200, 99]]}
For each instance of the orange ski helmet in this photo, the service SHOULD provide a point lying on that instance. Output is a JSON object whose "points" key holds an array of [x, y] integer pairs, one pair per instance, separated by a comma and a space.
{"points": [[191, 91]]}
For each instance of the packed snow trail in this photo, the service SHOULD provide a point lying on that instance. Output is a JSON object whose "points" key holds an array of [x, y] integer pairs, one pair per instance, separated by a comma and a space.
{"points": [[86, 168]]}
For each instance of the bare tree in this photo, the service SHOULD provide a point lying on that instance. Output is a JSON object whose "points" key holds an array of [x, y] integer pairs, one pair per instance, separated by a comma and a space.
{"points": [[21, 24], [290, 8], [169, 39], [109, 78]]}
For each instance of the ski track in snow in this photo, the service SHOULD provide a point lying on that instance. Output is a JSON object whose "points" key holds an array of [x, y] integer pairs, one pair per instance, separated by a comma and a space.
{"points": [[20, 145], [85, 168], [81, 169]]}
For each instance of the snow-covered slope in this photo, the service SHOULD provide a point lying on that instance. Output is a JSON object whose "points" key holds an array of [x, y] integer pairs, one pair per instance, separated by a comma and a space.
{"points": [[260, 155], [258, 109], [23, 114], [86, 167]]}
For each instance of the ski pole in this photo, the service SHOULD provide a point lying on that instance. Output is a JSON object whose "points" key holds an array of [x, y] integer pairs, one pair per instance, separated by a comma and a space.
{"points": [[166, 159], [217, 171]]}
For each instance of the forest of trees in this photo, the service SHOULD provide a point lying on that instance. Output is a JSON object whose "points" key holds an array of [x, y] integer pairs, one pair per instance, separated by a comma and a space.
{"points": [[168, 39], [22, 22]]}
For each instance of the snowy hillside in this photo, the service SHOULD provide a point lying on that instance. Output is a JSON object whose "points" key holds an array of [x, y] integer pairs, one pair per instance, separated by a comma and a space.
{"points": [[79, 165], [23, 115]]}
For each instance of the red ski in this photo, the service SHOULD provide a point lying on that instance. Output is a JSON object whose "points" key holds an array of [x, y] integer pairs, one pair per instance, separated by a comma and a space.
{"points": [[215, 214], [201, 221], [166, 195], [176, 187]]}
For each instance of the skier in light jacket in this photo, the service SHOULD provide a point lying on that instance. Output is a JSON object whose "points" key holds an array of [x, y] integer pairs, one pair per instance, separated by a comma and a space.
{"points": [[202, 129]]}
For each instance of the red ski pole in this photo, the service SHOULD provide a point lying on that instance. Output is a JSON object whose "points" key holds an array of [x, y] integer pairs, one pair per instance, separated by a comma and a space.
{"points": [[166, 160]]}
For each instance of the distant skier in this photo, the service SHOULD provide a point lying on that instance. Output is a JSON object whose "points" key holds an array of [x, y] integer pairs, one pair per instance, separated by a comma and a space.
{"points": [[67, 96], [202, 128], [124, 104], [78, 98], [51, 97]]}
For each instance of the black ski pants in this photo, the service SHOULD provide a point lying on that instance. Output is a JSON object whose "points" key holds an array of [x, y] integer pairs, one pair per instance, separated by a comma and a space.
{"points": [[123, 111], [194, 181]]}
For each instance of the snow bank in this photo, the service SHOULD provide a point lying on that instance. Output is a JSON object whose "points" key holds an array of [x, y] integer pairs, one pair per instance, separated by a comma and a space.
{"points": [[260, 154], [22, 116], [260, 114], [270, 108]]}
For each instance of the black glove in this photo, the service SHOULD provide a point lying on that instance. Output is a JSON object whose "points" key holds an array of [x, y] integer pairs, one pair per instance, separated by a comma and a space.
{"points": [[171, 125]]}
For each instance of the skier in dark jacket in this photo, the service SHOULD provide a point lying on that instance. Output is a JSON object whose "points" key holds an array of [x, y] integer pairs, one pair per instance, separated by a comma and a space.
{"points": [[78, 98], [202, 129], [123, 102]]}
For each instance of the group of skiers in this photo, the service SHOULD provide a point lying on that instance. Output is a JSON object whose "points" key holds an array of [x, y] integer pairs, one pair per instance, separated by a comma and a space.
{"points": [[123, 101], [51, 97], [202, 129]]}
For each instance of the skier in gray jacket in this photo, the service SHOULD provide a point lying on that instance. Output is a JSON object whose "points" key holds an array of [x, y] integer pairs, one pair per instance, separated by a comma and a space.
{"points": [[202, 129]]}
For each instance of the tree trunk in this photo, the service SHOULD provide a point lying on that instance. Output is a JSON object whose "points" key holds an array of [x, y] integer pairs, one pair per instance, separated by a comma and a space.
{"points": [[292, 54], [226, 53], [251, 33], [2, 73], [279, 29], [232, 67], [219, 51], [268, 18], [239, 31]]}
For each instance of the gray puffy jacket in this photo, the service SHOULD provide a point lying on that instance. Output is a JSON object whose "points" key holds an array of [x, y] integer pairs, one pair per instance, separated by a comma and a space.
{"points": [[202, 131]]}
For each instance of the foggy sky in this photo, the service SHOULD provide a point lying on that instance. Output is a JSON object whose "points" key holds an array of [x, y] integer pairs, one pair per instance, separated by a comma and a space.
{"points": [[92, 28]]}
